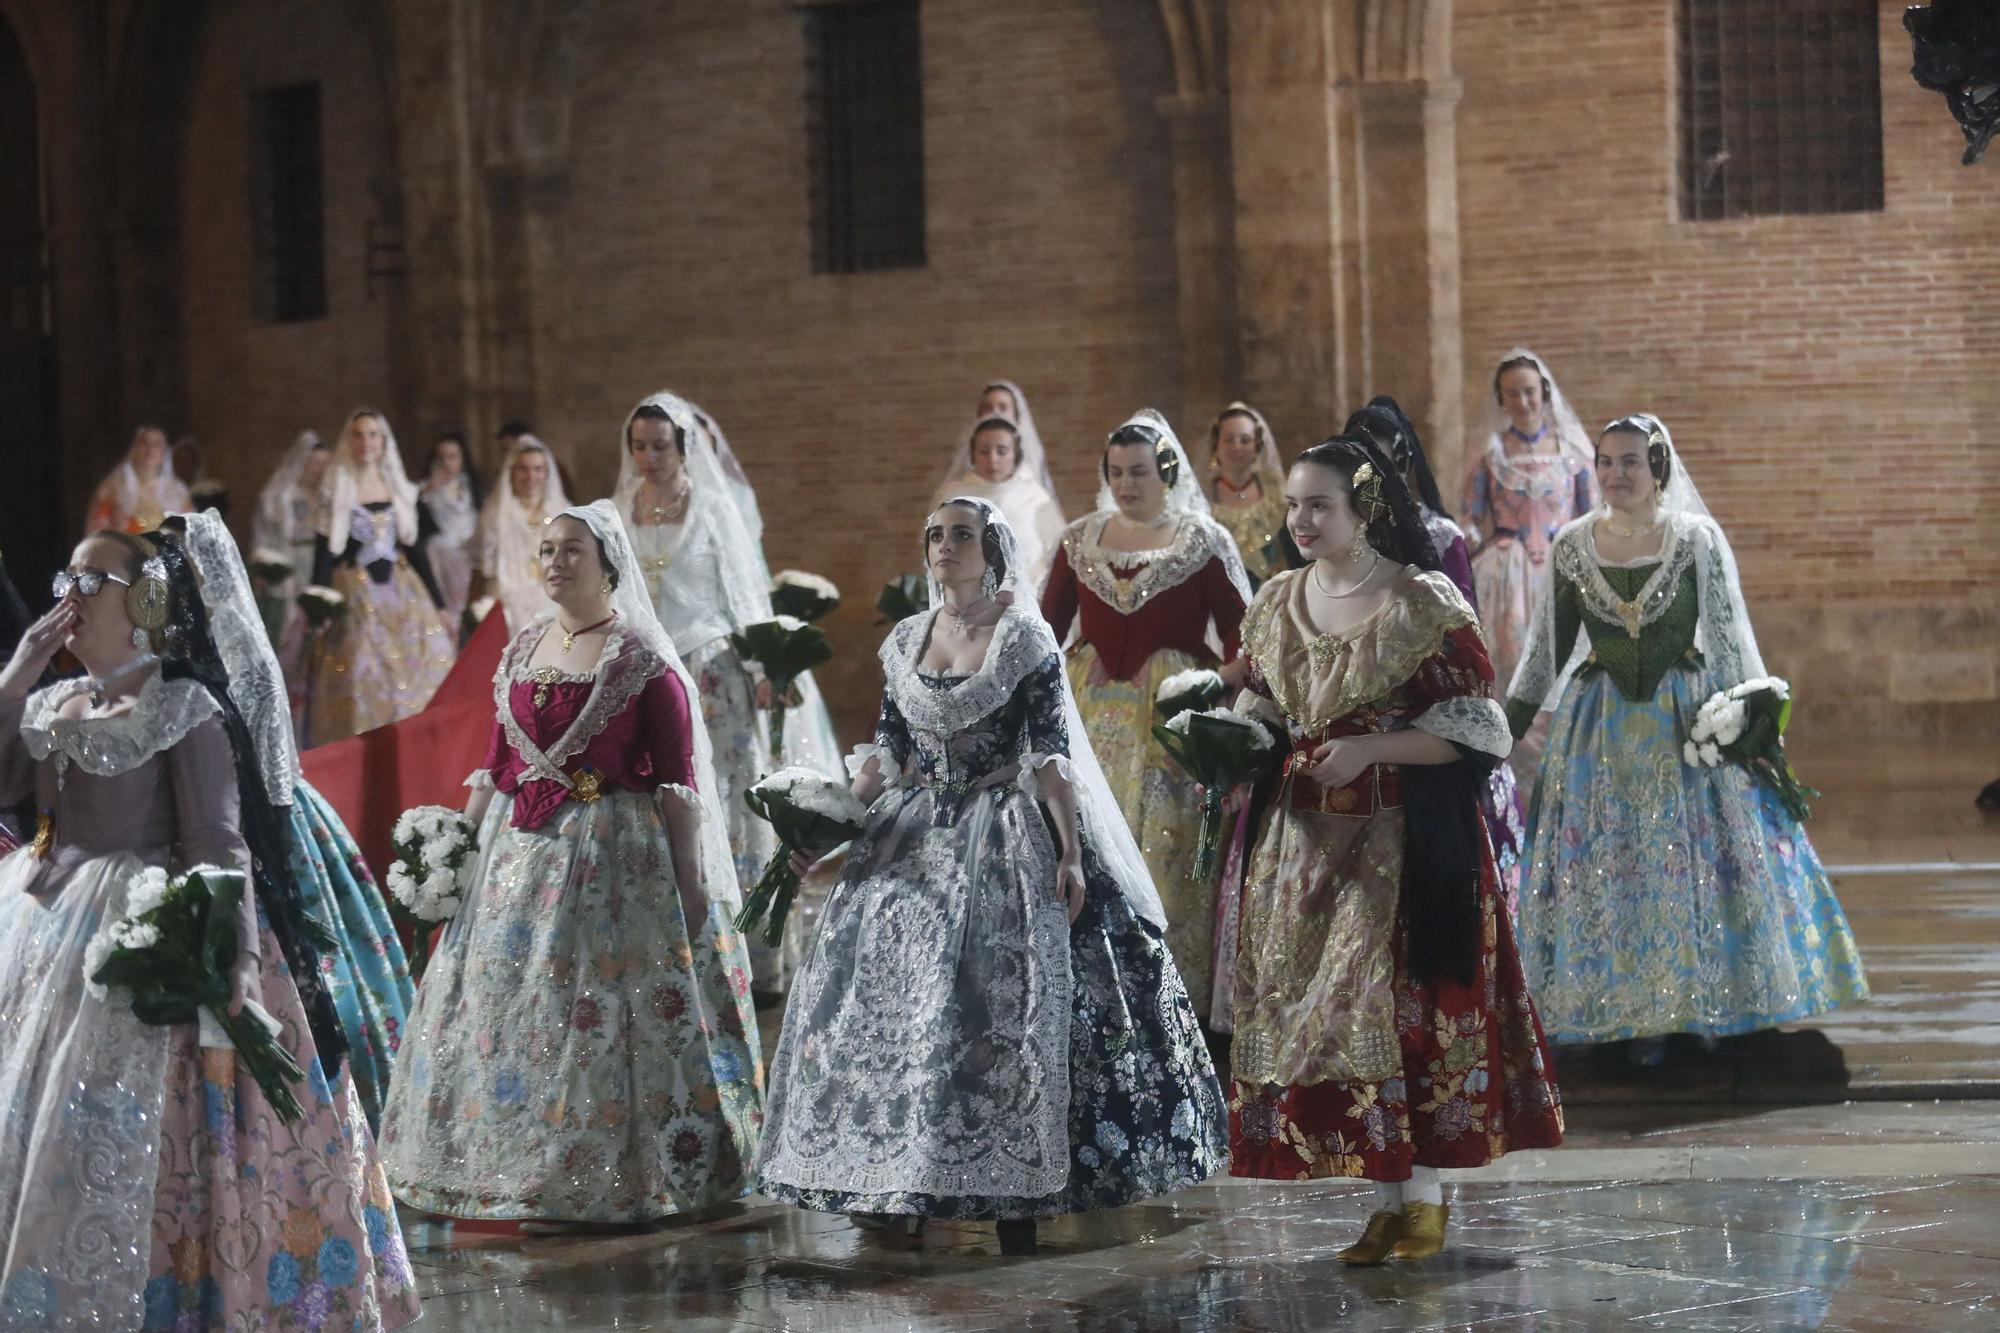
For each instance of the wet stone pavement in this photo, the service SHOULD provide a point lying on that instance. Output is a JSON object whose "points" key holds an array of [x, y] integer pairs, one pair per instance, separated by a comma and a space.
{"points": [[1843, 1174]]}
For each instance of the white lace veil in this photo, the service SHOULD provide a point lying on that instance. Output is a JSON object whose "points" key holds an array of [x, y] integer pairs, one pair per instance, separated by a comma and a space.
{"points": [[1267, 443], [337, 492], [740, 488], [256, 684], [508, 542], [1104, 826], [125, 484], [1694, 541], [634, 606], [712, 510], [273, 525], [1185, 494], [1574, 441], [1034, 460]]}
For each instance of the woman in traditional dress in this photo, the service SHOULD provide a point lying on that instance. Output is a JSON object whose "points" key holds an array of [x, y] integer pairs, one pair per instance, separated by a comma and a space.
{"points": [[1153, 586], [583, 1048], [1001, 460], [1660, 896], [1530, 475], [448, 508], [387, 651], [989, 1023], [707, 580], [144, 1178], [141, 490], [284, 527], [510, 532], [1246, 490], [1383, 1028], [365, 971], [1384, 422]]}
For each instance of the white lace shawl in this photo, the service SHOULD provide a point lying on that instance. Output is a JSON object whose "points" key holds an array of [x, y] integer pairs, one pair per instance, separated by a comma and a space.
{"points": [[1692, 541], [159, 719], [256, 682]]}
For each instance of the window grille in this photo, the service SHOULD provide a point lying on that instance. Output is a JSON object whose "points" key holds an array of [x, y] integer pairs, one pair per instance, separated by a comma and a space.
{"points": [[288, 202], [1780, 107], [864, 121]]}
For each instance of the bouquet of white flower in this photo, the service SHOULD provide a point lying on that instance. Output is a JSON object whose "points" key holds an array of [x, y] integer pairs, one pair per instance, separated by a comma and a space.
{"points": [[1746, 723], [434, 846], [811, 812], [1218, 748], [785, 649], [803, 596], [1192, 690], [172, 953], [322, 605], [904, 596], [273, 567]]}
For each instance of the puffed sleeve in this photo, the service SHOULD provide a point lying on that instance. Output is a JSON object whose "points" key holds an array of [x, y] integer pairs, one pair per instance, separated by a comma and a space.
{"points": [[666, 728], [208, 812], [1457, 681], [1551, 640], [1059, 595], [1225, 605]]}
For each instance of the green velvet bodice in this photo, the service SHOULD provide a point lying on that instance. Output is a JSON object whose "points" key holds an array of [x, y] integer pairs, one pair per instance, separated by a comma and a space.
{"points": [[1636, 665]]}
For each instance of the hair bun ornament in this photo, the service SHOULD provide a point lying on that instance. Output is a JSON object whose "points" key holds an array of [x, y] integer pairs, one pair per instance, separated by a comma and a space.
{"points": [[1368, 492]]}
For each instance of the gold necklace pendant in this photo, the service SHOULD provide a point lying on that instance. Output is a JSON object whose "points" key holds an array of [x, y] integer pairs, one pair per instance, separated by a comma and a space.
{"points": [[543, 678]]}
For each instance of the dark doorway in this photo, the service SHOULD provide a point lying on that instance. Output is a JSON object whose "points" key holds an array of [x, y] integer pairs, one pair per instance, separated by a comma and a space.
{"points": [[34, 529]]}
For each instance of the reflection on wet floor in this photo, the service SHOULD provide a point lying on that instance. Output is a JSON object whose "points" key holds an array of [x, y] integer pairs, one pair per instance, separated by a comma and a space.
{"points": [[1810, 1178], [1691, 1255]]}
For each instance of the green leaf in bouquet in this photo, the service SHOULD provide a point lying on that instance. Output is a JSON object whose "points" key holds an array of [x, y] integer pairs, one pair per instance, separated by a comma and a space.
{"points": [[802, 602], [225, 896], [903, 597], [785, 652], [1193, 699]]}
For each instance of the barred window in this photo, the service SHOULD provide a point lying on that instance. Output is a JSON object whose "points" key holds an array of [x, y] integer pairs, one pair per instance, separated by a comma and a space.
{"points": [[865, 126], [1780, 107], [287, 200]]}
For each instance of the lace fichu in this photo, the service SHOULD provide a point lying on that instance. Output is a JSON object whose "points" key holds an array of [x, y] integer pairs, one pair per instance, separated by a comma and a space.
{"points": [[160, 718]]}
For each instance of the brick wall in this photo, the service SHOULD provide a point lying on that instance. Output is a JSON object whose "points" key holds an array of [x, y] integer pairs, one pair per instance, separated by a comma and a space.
{"points": [[683, 261], [1833, 381], [254, 384]]}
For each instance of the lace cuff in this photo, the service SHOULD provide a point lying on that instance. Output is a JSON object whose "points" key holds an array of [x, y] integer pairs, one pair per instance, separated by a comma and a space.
{"points": [[479, 780], [685, 795], [894, 774], [1031, 765], [1477, 724], [1262, 708]]}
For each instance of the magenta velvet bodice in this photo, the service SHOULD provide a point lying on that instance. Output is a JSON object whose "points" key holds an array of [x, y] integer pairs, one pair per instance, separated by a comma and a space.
{"points": [[650, 743]]}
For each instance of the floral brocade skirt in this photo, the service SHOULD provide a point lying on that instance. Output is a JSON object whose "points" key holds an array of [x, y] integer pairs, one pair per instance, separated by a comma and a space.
{"points": [[1661, 897], [576, 1052], [381, 660], [1347, 1065], [1159, 802], [145, 1182], [367, 974]]}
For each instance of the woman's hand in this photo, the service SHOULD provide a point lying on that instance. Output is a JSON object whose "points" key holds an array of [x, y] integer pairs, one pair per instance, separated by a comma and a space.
{"points": [[804, 859], [32, 655], [1069, 883], [243, 983], [694, 904], [1234, 673], [1339, 762], [764, 695]]}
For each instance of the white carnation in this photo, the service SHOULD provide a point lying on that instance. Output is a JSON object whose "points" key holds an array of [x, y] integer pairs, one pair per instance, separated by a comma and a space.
{"points": [[789, 623], [146, 891], [1692, 753], [1185, 682], [134, 935], [95, 955], [1710, 755], [264, 555], [1728, 722]]}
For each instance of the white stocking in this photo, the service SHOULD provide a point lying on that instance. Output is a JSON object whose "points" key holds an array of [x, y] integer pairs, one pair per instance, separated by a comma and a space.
{"points": [[1388, 1196], [1424, 1186]]}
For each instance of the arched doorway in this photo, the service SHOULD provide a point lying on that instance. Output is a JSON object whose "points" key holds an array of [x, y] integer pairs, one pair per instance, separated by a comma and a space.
{"points": [[33, 532]]}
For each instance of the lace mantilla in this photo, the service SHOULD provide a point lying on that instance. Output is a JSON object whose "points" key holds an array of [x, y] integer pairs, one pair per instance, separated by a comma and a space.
{"points": [[256, 682], [1021, 642], [1197, 540], [622, 672], [159, 719], [1319, 678]]}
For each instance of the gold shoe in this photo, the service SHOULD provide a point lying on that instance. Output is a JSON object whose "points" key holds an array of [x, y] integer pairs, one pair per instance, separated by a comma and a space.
{"points": [[1423, 1230], [1385, 1230]]}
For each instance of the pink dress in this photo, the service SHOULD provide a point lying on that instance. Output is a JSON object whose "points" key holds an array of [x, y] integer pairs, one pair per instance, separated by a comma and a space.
{"points": [[144, 1179]]}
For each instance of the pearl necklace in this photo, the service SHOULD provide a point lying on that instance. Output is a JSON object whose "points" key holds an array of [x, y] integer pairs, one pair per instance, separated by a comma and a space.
{"points": [[1659, 520], [676, 507], [1359, 583]]}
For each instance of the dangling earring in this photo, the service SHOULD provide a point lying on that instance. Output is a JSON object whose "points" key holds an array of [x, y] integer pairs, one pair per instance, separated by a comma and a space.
{"points": [[139, 638], [989, 582], [1359, 549], [604, 587]]}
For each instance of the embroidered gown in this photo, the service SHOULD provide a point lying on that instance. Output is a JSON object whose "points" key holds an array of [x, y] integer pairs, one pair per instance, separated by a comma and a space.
{"points": [[683, 566], [1662, 897], [1258, 529], [953, 1046], [450, 546], [367, 974], [144, 1180], [1141, 616], [577, 1051], [1344, 1063], [1514, 503], [386, 654]]}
